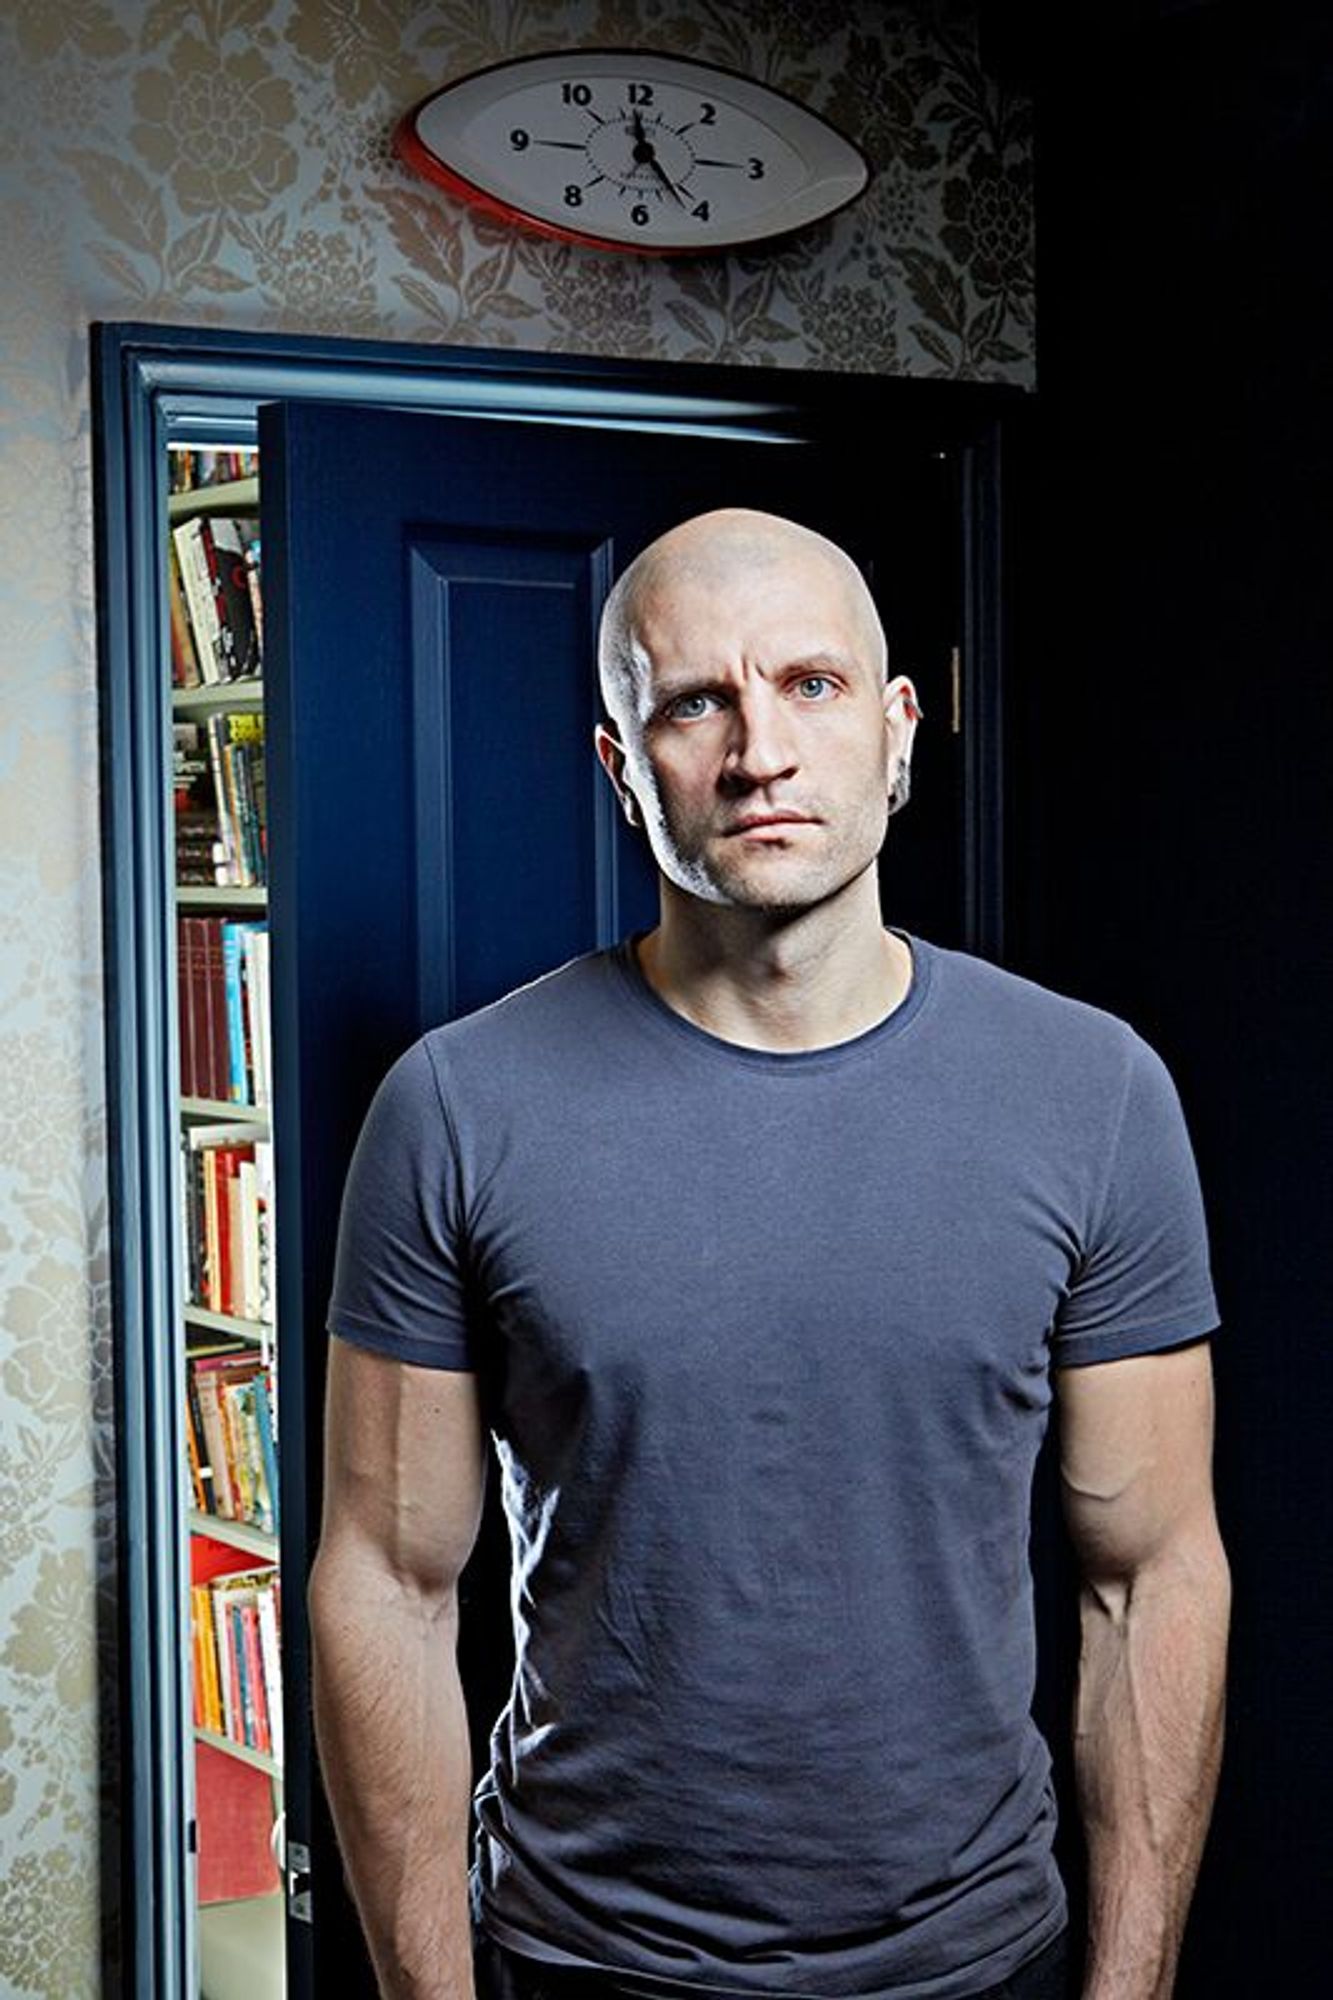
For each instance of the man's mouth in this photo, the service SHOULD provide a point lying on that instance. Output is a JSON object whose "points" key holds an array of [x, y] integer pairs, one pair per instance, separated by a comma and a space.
{"points": [[756, 822]]}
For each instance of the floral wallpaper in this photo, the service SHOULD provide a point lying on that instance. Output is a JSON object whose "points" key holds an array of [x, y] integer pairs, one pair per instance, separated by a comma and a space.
{"points": [[228, 162]]}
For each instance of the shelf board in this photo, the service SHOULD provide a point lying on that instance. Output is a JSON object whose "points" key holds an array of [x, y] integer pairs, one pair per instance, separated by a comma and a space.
{"points": [[233, 496], [192, 896], [217, 1108], [241, 1751], [217, 694], [239, 1534], [252, 1332]]}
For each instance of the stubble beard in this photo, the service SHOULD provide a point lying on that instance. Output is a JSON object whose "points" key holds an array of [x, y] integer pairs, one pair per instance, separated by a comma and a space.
{"points": [[718, 870]]}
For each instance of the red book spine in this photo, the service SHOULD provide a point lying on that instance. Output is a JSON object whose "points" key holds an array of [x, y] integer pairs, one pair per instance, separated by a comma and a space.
{"points": [[216, 983], [254, 1668], [201, 1031], [227, 1163], [184, 1009]]}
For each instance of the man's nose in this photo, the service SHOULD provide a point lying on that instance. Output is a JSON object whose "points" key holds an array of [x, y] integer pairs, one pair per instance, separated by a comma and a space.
{"points": [[762, 746]]}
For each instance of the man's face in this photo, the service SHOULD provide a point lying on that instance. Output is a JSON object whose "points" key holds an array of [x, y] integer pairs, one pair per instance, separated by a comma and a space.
{"points": [[762, 748]]}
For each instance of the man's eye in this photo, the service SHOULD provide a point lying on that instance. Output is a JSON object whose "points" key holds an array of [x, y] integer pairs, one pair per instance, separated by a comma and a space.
{"points": [[815, 685], [688, 707]]}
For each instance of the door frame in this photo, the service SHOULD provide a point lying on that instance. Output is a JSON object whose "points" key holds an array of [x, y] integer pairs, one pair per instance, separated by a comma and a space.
{"points": [[154, 384]]}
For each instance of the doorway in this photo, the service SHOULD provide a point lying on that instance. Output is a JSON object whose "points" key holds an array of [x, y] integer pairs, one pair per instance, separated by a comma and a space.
{"points": [[161, 386]]}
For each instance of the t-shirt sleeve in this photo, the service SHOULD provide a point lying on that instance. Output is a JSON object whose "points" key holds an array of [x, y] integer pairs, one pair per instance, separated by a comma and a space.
{"points": [[398, 1281], [1143, 1280]]}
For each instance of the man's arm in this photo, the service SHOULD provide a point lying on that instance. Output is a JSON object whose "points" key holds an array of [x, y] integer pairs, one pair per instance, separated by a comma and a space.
{"points": [[404, 1483], [1136, 1468]]}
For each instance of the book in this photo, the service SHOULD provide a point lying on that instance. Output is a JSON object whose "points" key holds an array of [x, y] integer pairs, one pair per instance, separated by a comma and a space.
{"points": [[192, 969], [254, 576], [231, 586], [215, 1001], [248, 1677], [234, 1803], [206, 1502], [266, 1423], [237, 1037], [245, 1713], [268, 1291], [216, 589], [220, 800], [194, 806], [184, 1013], [256, 960], [194, 467], [184, 657], [192, 540], [222, 970], [270, 1649], [229, 871], [215, 1437], [207, 1705], [226, 1202], [193, 1461], [234, 1393]]}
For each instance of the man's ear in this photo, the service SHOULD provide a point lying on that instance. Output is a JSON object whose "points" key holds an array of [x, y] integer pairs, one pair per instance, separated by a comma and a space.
{"points": [[611, 754], [902, 712]]}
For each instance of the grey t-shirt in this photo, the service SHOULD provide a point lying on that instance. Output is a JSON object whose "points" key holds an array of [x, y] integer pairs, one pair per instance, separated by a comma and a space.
{"points": [[767, 1340]]}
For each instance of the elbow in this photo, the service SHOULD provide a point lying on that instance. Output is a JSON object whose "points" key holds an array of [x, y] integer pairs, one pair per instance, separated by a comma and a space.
{"points": [[1190, 1572], [352, 1585]]}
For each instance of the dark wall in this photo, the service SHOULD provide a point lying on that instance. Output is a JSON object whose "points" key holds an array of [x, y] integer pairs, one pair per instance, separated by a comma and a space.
{"points": [[1172, 822]]}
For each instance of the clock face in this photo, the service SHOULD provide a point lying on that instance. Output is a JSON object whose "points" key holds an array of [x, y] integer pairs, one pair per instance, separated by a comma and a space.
{"points": [[631, 149]]}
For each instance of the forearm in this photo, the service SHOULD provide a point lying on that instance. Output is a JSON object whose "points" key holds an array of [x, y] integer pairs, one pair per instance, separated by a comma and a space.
{"points": [[391, 1727], [1148, 1739]]}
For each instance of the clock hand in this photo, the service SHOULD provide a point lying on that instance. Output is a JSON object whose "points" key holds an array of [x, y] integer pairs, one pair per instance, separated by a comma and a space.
{"points": [[645, 155], [666, 180]]}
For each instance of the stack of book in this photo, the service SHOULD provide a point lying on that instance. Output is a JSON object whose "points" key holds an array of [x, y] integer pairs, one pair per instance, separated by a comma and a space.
{"points": [[220, 800], [231, 1436], [191, 467], [214, 594], [222, 986], [235, 1635], [227, 1206]]}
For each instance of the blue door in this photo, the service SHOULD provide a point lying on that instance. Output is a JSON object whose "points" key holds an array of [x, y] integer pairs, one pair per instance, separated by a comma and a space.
{"points": [[439, 827]]}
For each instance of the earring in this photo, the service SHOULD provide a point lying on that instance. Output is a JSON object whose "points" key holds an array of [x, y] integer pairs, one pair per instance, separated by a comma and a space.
{"points": [[901, 789]]}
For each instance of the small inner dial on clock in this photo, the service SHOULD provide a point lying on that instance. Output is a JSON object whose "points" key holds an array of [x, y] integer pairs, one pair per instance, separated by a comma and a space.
{"points": [[639, 152]]}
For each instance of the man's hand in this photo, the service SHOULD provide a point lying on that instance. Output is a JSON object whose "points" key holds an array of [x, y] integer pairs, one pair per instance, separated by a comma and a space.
{"points": [[1135, 1453]]}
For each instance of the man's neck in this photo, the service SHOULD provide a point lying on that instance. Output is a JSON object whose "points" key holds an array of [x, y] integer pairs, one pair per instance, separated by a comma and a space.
{"points": [[806, 982]]}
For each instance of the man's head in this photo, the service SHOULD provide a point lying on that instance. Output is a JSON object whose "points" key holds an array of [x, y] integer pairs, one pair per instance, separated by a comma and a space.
{"points": [[755, 734]]}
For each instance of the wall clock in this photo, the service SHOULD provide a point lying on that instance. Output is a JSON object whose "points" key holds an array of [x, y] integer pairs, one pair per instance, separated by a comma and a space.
{"points": [[630, 150]]}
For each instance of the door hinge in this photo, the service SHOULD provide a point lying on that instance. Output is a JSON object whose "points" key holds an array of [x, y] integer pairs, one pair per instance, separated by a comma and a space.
{"points": [[298, 1881], [956, 691]]}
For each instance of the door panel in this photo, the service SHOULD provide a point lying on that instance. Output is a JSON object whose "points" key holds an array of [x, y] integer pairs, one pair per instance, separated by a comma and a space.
{"points": [[440, 830]]}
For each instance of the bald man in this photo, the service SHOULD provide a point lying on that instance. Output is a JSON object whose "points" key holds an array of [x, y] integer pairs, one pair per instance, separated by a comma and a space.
{"points": [[780, 1232]]}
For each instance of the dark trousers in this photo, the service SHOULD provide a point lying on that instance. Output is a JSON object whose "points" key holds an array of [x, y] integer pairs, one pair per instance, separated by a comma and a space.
{"points": [[507, 1975]]}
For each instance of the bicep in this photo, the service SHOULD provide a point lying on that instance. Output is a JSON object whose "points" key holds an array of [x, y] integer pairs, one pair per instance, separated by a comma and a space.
{"points": [[404, 1466], [1135, 1439]]}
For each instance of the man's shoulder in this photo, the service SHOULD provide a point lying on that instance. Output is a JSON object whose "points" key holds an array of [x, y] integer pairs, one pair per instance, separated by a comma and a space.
{"points": [[998, 1001], [532, 1015]]}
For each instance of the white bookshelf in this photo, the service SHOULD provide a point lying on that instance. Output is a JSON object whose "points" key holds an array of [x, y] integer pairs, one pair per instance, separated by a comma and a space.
{"points": [[240, 1947]]}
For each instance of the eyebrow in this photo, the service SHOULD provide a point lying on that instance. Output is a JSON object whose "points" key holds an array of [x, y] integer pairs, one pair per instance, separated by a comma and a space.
{"points": [[819, 662]]}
